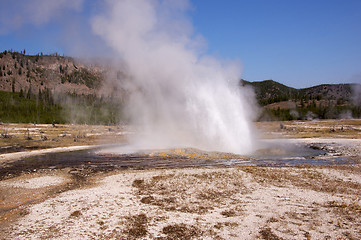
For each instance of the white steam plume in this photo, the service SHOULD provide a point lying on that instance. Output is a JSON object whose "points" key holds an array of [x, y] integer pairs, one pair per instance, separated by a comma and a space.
{"points": [[181, 98], [16, 13]]}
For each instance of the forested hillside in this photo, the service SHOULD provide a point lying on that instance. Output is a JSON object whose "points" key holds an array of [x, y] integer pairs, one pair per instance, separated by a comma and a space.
{"points": [[56, 89], [324, 101]]}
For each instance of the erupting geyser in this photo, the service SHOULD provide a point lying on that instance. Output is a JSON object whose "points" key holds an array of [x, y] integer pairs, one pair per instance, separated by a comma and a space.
{"points": [[180, 97]]}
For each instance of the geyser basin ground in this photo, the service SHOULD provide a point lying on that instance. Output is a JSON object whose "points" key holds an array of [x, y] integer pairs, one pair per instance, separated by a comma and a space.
{"points": [[191, 203], [91, 201]]}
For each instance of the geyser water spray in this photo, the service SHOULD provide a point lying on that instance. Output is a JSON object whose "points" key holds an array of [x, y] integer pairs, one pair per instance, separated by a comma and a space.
{"points": [[178, 96]]}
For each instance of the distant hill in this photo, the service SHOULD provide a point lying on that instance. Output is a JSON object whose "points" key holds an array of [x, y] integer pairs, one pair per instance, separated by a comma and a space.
{"points": [[322, 101], [19, 71], [55, 89], [269, 91], [329, 91]]}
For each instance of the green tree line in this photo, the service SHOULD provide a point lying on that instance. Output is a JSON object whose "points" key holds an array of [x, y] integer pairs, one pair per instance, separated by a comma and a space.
{"points": [[43, 107]]}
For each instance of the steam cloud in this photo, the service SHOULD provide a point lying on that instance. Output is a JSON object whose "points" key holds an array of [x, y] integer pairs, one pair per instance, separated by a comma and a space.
{"points": [[16, 13], [179, 97]]}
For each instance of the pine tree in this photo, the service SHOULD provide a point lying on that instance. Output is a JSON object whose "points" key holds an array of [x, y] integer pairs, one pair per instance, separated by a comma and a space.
{"points": [[40, 96], [13, 85], [21, 93], [28, 95]]}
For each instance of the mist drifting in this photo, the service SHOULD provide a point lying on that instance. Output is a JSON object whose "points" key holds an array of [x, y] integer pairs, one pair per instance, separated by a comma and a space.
{"points": [[179, 97]]}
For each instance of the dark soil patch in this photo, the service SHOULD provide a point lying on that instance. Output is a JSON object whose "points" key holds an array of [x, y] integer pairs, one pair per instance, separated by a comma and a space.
{"points": [[181, 231], [137, 226], [267, 234]]}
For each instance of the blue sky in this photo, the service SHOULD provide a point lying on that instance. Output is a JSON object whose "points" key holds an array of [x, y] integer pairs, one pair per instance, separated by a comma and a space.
{"points": [[299, 43]]}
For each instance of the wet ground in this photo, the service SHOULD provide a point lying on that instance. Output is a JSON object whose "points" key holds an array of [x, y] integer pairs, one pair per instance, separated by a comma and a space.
{"points": [[103, 159], [273, 153], [11, 149]]}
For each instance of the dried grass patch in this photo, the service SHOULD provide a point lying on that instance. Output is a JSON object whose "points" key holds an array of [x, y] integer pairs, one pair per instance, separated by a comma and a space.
{"points": [[355, 168], [311, 129], [192, 193], [351, 210], [306, 178], [181, 231], [41, 136], [136, 226], [267, 234]]}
